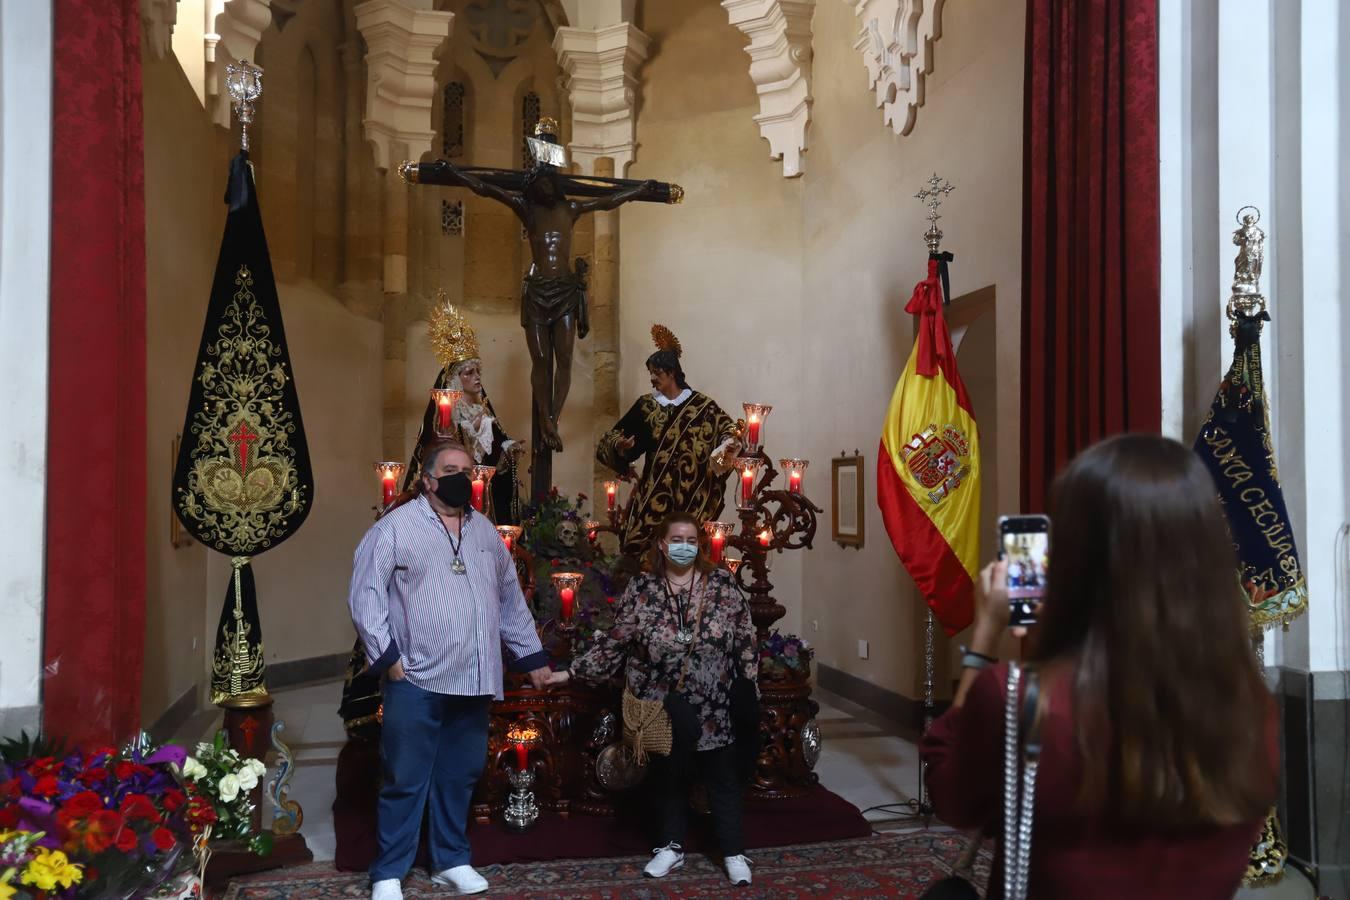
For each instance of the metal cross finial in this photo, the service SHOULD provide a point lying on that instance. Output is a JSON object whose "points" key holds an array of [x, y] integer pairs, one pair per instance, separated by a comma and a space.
{"points": [[244, 84], [932, 196]]}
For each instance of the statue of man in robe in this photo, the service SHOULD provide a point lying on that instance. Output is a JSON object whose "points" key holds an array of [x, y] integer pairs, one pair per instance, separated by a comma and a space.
{"points": [[553, 296]]}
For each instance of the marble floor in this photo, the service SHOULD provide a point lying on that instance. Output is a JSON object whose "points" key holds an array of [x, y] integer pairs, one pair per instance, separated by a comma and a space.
{"points": [[863, 759]]}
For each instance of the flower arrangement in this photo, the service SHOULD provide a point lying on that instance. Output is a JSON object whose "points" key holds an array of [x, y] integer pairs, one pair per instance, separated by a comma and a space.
{"points": [[784, 658], [222, 782], [25, 864], [93, 824]]}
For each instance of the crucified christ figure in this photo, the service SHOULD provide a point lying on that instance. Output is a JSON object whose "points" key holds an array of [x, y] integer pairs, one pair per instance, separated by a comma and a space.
{"points": [[553, 295]]}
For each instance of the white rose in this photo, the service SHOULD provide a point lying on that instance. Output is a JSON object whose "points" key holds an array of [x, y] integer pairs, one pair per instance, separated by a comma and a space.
{"points": [[193, 769], [247, 780], [257, 766], [229, 788]]}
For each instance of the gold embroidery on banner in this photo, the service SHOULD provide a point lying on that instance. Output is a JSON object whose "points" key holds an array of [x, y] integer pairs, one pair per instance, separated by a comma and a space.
{"points": [[237, 671], [243, 484]]}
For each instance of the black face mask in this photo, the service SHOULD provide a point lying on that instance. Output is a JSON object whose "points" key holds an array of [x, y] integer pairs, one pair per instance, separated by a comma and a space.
{"points": [[454, 490]]}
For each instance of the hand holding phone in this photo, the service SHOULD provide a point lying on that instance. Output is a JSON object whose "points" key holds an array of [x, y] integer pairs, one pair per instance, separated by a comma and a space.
{"points": [[1025, 544]]}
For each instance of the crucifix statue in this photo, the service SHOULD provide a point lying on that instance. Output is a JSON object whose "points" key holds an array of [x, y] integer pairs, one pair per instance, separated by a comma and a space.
{"points": [[553, 294]]}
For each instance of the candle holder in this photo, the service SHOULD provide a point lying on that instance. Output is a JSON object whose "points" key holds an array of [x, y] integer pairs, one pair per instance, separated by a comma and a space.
{"points": [[593, 527], [510, 534], [612, 498], [755, 414], [566, 584], [748, 468], [389, 473], [521, 809], [445, 399], [717, 539], [482, 477], [732, 565], [794, 470]]}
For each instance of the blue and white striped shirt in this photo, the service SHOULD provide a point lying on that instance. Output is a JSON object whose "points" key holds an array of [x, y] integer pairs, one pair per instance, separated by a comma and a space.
{"points": [[448, 629]]}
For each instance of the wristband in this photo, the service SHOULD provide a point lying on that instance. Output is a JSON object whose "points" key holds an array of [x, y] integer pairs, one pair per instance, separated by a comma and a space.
{"points": [[972, 659]]}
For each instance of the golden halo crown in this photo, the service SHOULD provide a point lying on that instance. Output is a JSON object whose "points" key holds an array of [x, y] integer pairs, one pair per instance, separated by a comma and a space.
{"points": [[452, 337], [666, 340], [546, 125]]}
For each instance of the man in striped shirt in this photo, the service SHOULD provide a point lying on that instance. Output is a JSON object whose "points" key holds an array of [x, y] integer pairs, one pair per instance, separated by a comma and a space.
{"points": [[434, 597]]}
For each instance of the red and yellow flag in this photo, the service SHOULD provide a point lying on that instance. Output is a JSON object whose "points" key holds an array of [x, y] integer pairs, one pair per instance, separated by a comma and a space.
{"points": [[928, 471]]}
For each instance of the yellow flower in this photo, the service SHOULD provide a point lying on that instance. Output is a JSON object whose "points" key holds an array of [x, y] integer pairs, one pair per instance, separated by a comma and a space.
{"points": [[50, 868], [6, 891]]}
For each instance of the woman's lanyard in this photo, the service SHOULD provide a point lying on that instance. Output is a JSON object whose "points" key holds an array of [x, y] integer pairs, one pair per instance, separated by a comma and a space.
{"points": [[457, 566], [678, 601]]}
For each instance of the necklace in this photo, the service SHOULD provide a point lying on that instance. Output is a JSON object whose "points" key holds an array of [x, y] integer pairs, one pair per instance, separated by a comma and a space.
{"points": [[680, 600], [457, 566]]}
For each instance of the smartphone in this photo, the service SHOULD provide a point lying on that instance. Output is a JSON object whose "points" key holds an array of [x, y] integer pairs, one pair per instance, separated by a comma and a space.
{"points": [[1025, 541]]}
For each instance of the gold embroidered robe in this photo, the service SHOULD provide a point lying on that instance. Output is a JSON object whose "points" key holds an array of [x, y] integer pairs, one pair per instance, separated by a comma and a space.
{"points": [[678, 475]]}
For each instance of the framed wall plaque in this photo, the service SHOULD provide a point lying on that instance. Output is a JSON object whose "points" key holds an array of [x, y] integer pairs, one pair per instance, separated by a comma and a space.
{"points": [[847, 516]]}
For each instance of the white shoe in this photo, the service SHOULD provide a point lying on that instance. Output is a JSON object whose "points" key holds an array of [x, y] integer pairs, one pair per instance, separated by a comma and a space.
{"points": [[386, 889], [462, 878], [738, 869], [664, 861]]}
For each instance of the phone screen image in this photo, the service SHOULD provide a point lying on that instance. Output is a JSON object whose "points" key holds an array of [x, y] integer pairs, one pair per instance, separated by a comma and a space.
{"points": [[1028, 556]]}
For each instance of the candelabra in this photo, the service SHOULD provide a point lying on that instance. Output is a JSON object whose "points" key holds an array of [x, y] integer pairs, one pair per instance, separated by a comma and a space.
{"points": [[522, 811]]}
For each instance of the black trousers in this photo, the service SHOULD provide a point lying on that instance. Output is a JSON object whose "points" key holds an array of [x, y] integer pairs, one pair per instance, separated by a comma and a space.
{"points": [[717, 770]]}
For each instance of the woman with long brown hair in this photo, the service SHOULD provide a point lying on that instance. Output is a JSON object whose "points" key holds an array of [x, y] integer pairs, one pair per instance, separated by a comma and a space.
{"points": [[683, 629], [1158, 761]]}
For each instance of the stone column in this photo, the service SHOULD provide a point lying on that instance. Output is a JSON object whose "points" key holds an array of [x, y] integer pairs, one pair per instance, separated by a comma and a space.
{"points": [[601, 65], [401, 38]]}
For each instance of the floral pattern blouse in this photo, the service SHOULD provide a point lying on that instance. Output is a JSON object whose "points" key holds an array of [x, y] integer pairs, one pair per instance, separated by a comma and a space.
{"points": [[645, 635]]}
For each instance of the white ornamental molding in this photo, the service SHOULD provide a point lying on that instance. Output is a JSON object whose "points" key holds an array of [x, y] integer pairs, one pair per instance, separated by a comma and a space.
{"points": [[234, 28], [896, 42], [601, 66], [157, 19], [780, 66], [400, 76]]}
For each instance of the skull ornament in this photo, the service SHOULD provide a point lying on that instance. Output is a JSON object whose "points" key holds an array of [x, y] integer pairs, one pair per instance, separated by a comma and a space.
{"points": [[568, 533]]}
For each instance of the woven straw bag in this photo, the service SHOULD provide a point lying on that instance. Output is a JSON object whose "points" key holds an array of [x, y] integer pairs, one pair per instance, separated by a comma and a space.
{"points": [[646, 727]]}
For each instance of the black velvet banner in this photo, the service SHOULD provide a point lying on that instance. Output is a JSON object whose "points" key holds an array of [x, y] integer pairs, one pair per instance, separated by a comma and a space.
{"points": [[1235, 445], [242, 483]]}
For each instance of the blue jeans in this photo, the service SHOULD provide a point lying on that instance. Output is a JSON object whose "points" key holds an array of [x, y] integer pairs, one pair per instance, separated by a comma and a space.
{"points": [[433, 747]]}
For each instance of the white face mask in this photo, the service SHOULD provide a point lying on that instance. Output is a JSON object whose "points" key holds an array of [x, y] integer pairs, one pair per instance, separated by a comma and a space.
{"points": [[681, 554]]}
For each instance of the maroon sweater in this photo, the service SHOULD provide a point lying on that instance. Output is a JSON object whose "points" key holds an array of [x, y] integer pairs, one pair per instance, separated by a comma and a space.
{"points": [[1075, 854]]}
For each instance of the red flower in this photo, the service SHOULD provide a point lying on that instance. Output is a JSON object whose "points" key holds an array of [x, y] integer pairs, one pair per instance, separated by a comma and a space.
{"points": [[139, 806], [200, 812], [93, 776], [83, 804], [103, 751], [128, 770], [173, 799], [9, 790], [46, 787], [163, 838], [9, 816], [126, 840], [43, 766], [96, 832]]}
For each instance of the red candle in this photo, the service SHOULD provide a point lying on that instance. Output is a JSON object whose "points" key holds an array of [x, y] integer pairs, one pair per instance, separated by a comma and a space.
{"points": [[611, 496], [765, 538], [387, 483], [443, 410], [522, 757], [747, 486], [568, 597], [752, 430], [795, 482], [715, 550], [478, 494], [591, 535]]}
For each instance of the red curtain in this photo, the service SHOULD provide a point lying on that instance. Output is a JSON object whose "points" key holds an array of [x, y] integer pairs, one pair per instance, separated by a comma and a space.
{"points": [[94, 632], [1090, 269]]}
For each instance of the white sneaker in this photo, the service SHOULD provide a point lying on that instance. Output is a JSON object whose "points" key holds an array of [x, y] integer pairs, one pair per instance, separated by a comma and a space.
{"points": [[664, 861], [738, 869], [386, 889], [462, 878]]}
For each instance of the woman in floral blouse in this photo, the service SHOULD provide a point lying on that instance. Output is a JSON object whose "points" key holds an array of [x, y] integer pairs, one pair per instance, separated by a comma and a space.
{"points": [[684, 617]]}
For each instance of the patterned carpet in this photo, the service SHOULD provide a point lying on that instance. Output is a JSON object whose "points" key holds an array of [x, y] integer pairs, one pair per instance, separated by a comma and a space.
{"points": [[884, 865]]}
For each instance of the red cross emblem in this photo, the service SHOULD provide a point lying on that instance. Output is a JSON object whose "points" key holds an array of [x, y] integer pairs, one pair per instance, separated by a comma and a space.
{"points": [[243, 438]]}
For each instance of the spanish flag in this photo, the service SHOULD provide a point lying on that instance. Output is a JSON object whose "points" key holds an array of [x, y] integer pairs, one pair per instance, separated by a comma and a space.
{"points": [[928, 470]]}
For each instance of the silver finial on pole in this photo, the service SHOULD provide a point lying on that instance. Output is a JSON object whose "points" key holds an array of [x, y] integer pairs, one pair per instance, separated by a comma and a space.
{"points": [[244, 84], [1246, 298], [932, 197]]}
